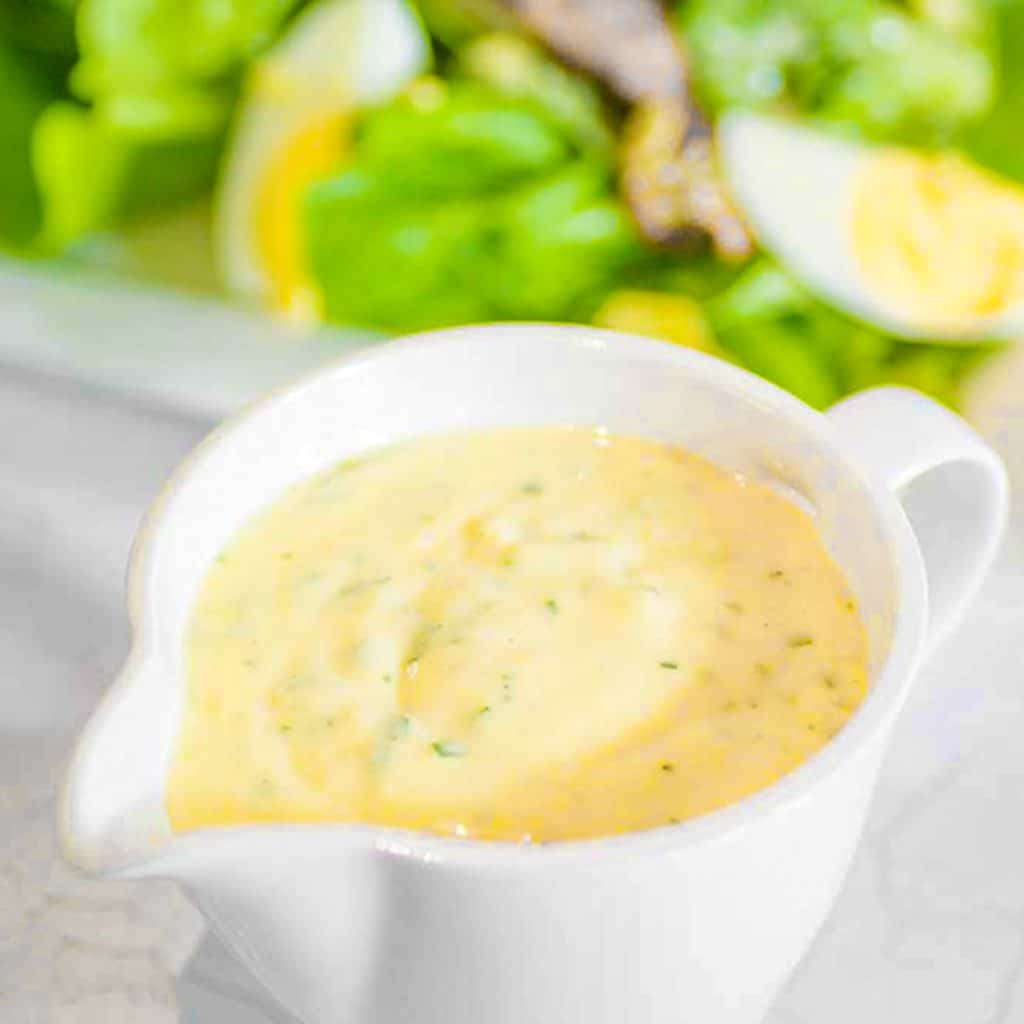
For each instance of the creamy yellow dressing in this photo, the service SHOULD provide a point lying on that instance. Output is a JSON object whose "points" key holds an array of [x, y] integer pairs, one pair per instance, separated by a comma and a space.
{"points": [[531, 632]]}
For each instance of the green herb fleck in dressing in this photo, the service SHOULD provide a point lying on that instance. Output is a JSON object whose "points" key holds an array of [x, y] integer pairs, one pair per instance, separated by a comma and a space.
{"points": [[448, 748], [418, 645], [362, 585], [400, 727], [397, 728]]}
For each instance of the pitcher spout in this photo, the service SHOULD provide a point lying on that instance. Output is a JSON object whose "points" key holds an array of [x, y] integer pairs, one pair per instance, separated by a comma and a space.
{"points": [[112, 819], [298, 905]]}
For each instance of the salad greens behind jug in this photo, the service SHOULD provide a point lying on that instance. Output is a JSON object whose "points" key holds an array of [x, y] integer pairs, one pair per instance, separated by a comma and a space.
{"points": [[402, 165]]}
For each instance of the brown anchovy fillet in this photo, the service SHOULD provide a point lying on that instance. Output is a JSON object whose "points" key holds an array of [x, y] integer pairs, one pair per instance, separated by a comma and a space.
{"points": [[668, 173]]}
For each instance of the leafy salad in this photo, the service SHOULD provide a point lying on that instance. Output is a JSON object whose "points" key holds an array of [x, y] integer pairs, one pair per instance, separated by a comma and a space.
{"points": [[404, 165]]}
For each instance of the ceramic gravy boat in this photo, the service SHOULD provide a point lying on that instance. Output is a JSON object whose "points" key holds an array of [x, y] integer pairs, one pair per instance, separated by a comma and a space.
{"points": [[700, 922]]}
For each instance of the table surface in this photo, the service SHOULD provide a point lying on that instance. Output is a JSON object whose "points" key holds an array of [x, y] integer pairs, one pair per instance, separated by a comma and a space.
{"points": [[930, 926]]}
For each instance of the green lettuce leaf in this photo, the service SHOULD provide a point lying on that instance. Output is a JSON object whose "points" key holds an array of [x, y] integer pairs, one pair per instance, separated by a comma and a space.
{"points": [[165, 67], [454, 22], [92, 175], [865, 63], [42, 31], [387, 261], [23, 95], [465, 204], [447, 140], [519, 68], [775, 327], [547, 250], [559, 246], [997, 141], [157, 81]]}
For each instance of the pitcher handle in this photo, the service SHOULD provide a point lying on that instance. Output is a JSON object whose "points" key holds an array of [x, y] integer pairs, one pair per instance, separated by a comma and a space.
{"points": [[952, 486]]}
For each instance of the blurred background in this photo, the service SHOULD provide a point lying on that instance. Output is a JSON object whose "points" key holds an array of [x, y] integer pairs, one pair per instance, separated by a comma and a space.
{"points": [[831, 195], [200, 199]]}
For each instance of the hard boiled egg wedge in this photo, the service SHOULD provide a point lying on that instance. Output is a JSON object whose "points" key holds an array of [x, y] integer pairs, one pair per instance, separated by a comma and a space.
{"points": [[925, 245], [293, 126]]}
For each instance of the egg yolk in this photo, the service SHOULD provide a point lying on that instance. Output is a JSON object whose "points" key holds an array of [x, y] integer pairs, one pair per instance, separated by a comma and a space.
{"points": [[309, 154], [939, 239], [675, 318]]}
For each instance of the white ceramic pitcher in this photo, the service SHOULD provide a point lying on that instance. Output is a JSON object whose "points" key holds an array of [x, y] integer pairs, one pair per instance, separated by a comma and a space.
{"points": [[698, 923]]}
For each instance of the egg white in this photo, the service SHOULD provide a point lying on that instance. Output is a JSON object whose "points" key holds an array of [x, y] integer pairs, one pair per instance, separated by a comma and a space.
{"points": [[338, 56], [796, 187]]}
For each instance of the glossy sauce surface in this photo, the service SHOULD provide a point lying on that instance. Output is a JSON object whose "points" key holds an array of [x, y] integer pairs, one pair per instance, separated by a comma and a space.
{"points": [[541, 633]]}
